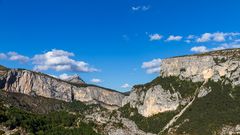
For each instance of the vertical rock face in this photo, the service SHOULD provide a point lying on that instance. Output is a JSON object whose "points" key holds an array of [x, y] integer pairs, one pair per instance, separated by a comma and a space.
{"points": [[215, 66], [32, 83], [199, 68], [153, 101]]}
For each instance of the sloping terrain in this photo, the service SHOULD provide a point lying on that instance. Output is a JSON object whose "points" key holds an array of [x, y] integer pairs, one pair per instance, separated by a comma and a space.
{"points": [[194, 95]]}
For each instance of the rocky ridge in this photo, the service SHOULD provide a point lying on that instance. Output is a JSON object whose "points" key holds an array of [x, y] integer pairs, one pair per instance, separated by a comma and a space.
{"points": [[197, 94], [217, 65], [34, 83]]}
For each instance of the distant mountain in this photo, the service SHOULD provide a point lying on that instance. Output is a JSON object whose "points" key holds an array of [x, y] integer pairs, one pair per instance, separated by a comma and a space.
{"points": [[75, 79], [36, 83], [194, 95]]}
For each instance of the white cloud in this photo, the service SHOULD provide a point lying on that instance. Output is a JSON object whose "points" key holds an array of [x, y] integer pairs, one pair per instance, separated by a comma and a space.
{"points": [[155, 37], [14, 56], [202, 49], [218, 48], [217, 36], [152, 66], [205, 37], [65, 76], [199, 49], [140, 8], [136, 8], [59, 60], [174, 38], [226, 46], [3, 56], [125, 85], [96, 80]]}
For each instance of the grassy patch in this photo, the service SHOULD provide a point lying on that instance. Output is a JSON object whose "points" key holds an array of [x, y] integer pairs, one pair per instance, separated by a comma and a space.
{"points": [[54, 123], [208, 114], [151, 124], [185, 87], [3, 68]]}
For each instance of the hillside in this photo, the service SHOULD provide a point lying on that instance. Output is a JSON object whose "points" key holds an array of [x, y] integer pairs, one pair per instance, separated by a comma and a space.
{"points": [[194, 95], [35, 83]]}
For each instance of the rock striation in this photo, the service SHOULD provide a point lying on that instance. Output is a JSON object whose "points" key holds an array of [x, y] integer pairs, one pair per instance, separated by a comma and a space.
{"points": [[217, 65], [199, 68], [34, 83], [153, 101]]}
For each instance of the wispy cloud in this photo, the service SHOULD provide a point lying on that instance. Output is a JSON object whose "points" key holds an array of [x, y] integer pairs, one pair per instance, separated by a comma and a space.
{"points": [[96, 80], [199, 49], [152, 66], [154, 37], [65, 76], [217, 36], [140, 8], [126, 85], [3, 56], [174, 38], [14, 56]]}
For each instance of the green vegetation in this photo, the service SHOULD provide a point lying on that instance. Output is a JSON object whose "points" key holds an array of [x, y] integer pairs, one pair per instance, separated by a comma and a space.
{"points": [[43, 116], [3, 68], [1, 132], [232, 52], [185, 87], [218, 60], [208, 114], [151, 124], [54, 123]]}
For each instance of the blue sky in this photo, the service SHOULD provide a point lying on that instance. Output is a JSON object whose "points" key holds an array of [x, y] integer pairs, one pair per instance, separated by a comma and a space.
{"points": [[113, 43]]}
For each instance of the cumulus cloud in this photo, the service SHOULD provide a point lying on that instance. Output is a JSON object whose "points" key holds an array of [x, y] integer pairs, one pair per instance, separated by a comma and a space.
{"points": [[96, 80], [126, 85], [205, 37], [152, 66], [59, 60], [14, 56], [3, 56], [140, 8], [199, 49], [217, 36], [155, 36], [174, 38], [227, 46], [65, 76]]}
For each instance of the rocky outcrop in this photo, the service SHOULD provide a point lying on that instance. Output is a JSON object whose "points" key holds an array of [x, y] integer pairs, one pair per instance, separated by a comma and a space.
{"points": [[75, 79], [214, 65], [33, 83], [153, 101], [230, 130], [218, 65]]}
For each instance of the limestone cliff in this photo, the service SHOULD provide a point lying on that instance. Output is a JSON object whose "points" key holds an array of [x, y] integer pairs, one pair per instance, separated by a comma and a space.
{"points": [[153, 98], [34, 83], [213, 65]]}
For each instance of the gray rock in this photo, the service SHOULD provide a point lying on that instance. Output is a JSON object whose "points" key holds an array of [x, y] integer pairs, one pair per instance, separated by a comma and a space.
{"points": [[154, 101], [75, 79], [33, 83], [201, 68]]}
